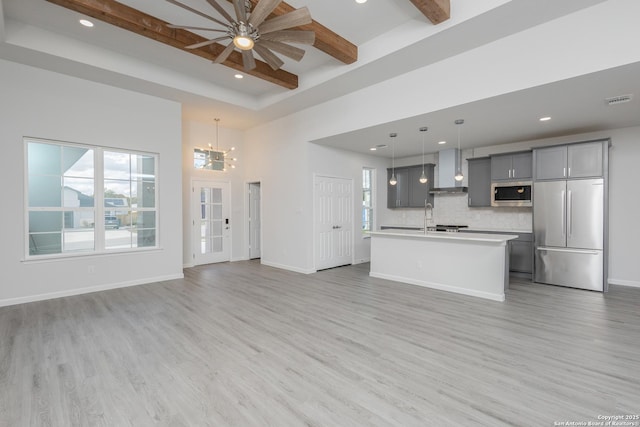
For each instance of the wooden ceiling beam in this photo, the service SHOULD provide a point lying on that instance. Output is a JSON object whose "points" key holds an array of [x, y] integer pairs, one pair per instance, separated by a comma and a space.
{"points": [[128, 18], [326, 40], [436, 11]]}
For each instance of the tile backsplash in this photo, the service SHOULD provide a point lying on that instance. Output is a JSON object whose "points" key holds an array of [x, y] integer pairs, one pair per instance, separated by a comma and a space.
{"points": [[453, 209]]}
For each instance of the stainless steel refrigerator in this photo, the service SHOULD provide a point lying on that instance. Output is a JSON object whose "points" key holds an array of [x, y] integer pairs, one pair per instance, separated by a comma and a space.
{"points": [[569, 233]]}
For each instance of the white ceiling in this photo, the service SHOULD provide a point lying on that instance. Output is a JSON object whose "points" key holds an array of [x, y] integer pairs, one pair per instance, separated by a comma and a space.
{"points": [[388, 35]]}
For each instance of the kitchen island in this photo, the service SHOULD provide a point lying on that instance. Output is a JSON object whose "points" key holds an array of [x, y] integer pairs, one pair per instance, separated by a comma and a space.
{"points": [[473, 264]]}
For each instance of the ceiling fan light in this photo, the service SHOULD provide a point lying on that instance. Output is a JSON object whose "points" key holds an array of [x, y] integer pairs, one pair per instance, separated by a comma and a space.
{"points": [[243, 42]]}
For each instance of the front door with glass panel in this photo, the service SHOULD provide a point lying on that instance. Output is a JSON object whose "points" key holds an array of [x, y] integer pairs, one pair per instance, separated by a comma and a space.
{"points": [[211, 222]]}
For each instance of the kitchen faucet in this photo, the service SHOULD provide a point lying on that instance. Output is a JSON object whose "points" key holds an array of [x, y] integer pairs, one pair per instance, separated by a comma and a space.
{"points": [[428, 215]]}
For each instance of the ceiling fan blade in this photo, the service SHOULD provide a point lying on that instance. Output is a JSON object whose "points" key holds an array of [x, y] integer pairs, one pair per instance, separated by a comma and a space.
{"points": [[206, 43], [187, 27], [220, 10], [224, 54], [292, 19], [291, 36], [197, 12], [271, 59], [248, 61], [261, 11], [241, 12], [292, 52]]}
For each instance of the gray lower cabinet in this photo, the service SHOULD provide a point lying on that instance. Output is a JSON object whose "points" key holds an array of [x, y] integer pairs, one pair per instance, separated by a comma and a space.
{"points": [[479, 194], [581, 160], [521, 254], [520, 251], [409, 192]]}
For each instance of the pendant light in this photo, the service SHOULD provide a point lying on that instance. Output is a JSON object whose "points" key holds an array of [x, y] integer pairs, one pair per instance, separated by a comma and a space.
{"points": [[459, 176], [423, 178], [393, 180], [219, 159]]}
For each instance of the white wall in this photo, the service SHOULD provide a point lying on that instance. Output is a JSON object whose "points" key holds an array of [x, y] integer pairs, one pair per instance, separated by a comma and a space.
{"points": [[327, 161], [277, 156], [533, 57], [199, 135], [280, 158], [43, 104]]}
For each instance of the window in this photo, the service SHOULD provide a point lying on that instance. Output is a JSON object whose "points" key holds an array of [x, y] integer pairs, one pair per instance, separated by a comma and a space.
{"points": [[368, 204], [70, 186]]}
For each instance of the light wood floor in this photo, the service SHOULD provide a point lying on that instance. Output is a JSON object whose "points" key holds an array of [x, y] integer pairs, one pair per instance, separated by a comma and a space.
{"points": [[243, 344]]}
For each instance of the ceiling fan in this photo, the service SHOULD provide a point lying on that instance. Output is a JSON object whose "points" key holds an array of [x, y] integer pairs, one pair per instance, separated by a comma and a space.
{"points": [[251, 31]]}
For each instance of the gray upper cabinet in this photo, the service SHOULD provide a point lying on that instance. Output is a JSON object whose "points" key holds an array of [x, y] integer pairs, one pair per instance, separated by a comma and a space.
{"points": [[522, 165], [398, 195], [585, 160], [551, 162], [582, 160], [418, 192], [479, 182], [511, 167], [409, 192]]}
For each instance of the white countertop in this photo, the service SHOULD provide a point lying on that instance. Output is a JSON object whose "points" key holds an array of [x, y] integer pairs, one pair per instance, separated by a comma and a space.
{"points": [[475, 229], [498, 230], [435, 235]]}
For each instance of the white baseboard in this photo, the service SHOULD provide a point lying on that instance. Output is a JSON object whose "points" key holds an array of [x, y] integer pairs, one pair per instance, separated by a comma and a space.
{"points": [[441, 287], [240, 259], [632, 283], [188, 265], [362, 261], [88, 290], [287, 267]]}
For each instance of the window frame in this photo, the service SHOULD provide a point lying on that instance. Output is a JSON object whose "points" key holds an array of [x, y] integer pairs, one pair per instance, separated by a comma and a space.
{"points": [[371, 208], [99, 229]]}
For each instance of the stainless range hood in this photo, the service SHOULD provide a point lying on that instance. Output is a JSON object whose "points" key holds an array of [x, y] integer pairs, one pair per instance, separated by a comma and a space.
{"points": [[448, 161]]}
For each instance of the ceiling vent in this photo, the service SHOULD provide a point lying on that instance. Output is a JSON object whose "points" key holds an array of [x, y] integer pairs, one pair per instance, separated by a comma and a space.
{"points": [[620, 99]]}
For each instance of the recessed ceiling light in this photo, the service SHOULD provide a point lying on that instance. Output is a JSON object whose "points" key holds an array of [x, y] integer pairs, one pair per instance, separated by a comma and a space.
{"points": [[545, 119], [442, 142], [238, 76], [372, 149], [361, 1], [86, 23]]}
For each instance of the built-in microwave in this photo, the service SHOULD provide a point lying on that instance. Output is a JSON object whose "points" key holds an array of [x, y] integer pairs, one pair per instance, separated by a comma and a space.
{"points": [[511, 193]]}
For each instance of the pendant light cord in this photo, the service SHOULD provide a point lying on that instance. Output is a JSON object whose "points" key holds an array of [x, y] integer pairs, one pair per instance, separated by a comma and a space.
{"points": [[422, 154], [217, 139]]}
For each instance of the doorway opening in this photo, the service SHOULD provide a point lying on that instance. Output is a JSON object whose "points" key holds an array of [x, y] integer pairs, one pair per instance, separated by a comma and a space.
{"points": [[254, 221]]}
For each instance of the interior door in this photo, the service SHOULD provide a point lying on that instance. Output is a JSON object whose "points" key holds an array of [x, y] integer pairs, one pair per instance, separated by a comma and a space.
{"points": [[334, 234], [211, 226], [254, 220]]}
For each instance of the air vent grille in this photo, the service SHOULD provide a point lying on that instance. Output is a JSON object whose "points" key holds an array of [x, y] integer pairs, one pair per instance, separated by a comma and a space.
{"points": [[620, 99]]}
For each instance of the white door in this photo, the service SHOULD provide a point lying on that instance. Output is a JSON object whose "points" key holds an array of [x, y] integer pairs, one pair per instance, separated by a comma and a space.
{"points": [[333, 204], [211, 227], [254, 220]]}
